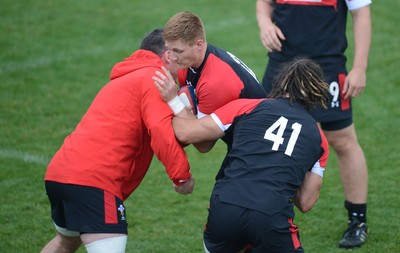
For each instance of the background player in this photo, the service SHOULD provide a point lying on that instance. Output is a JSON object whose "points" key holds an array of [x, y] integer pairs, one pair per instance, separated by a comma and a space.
{"points": [[317, 29]]}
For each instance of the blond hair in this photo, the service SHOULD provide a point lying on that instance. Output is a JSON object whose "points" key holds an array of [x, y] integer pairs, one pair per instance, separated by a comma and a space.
{"points": [[184, 26]]}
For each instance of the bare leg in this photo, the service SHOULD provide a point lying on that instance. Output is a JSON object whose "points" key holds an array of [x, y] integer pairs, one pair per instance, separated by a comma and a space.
{"points": [[352, 165], [62, 244]]}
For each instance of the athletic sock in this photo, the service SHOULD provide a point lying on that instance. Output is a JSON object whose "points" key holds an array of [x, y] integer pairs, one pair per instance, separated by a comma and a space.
{"points": [[358, 211]]}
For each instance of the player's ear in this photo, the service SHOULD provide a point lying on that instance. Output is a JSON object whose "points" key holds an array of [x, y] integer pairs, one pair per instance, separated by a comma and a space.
{"points": [[165, 57], [199, 44]]}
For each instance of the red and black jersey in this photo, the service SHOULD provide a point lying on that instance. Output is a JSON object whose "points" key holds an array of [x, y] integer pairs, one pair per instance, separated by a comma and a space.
{"points": [[315, 29], [221, 78], [113, 145], [273, 145]]}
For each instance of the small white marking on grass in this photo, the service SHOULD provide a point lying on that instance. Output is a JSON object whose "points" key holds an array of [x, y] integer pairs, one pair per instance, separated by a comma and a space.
{"points": [[227, 23], [23, 156], [33, 63]]}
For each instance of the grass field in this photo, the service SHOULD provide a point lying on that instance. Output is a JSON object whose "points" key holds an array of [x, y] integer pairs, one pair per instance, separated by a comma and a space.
{"points": [[56, 55]]}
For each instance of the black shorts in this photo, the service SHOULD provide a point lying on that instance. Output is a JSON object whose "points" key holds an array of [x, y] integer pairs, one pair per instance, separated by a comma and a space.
{"points": [[339, 114], [231, 228], [86, 209]]}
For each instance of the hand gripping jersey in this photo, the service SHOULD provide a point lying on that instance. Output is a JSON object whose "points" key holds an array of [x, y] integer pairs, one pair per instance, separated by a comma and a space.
{"points": [[113, 145], [273, 145], [222, 77]]}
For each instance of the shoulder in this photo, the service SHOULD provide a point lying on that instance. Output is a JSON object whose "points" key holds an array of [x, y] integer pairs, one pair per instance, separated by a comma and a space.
{"points": [[235, 108]]}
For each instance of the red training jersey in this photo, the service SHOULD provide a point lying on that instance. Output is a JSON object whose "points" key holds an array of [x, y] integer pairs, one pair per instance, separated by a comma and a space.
{"points": [[127, 122]]}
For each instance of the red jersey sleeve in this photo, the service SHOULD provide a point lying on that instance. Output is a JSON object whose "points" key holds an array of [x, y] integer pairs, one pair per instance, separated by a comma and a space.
{"points": [[225, 115], [157, 118], [218, 85], [324, 144]]}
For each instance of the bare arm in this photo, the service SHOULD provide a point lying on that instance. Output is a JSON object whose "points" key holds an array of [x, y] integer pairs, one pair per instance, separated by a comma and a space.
{"points": [[270, 34], [168, 89], [356, 79], [308, 193], [196, 131]]}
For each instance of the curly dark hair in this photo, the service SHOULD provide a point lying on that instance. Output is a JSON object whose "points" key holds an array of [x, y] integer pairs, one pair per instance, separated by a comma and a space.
{"points": [[301, 80]]}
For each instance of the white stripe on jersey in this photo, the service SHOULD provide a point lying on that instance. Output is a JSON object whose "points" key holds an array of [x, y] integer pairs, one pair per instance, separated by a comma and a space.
{"points": [[219, 122]]}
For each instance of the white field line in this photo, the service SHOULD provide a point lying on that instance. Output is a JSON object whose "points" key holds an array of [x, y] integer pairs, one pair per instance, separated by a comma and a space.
{"points": [[226, 23], [43, 61], [23, 156]]}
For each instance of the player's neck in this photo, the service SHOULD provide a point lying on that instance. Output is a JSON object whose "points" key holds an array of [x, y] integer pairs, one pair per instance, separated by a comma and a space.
{"points": [[201, 55]]}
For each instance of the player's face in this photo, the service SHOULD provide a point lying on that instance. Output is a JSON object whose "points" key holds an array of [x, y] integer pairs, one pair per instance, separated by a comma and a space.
{"points": [[183, 54], [170, 65]]}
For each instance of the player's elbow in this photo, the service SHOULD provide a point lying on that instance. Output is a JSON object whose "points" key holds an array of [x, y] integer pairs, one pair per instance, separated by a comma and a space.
{"points": [[182, 137], [202, 148], [186, 139], [306, 204], [306, 207]]}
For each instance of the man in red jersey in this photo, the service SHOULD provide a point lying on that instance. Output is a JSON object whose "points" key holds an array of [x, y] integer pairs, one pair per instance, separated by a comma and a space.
{"points": [[217, 75], [317, 29], [106, 157], [276, 160]]}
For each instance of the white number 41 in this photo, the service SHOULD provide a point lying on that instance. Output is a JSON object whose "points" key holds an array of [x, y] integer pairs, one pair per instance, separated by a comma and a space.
{"points": [[277, 138]]}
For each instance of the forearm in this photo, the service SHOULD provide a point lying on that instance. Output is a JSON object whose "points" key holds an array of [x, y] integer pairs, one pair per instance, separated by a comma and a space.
{"points": [[308, 193], [186, 113], [362, 36], [203, 132], [264, 9], [205, 146]]}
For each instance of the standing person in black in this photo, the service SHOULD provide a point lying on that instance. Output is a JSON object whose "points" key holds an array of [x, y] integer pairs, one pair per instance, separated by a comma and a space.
{"points": [[317, 29], [276, 159]]}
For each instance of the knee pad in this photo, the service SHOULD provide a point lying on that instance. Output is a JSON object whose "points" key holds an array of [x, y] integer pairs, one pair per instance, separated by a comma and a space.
{"points": [[108, 245]]}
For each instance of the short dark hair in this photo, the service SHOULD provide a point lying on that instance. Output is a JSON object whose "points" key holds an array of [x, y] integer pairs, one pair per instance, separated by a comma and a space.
{"points": [[302, 80], [154, 42]]}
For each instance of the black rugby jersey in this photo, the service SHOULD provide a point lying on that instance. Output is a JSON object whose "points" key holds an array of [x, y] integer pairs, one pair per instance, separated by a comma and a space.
{"points": [[273, 145], [221, 78], [315, 29]]}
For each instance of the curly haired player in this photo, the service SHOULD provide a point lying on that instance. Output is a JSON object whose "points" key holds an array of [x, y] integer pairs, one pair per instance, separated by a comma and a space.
{"points": [[276, 159]]}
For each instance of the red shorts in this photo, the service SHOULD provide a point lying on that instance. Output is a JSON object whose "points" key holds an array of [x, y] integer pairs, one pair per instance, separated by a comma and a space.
{"points": [[86, 209]]}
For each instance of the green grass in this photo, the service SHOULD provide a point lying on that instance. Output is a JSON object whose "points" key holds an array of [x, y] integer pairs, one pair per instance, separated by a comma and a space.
{"points": [[56, 55]]}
